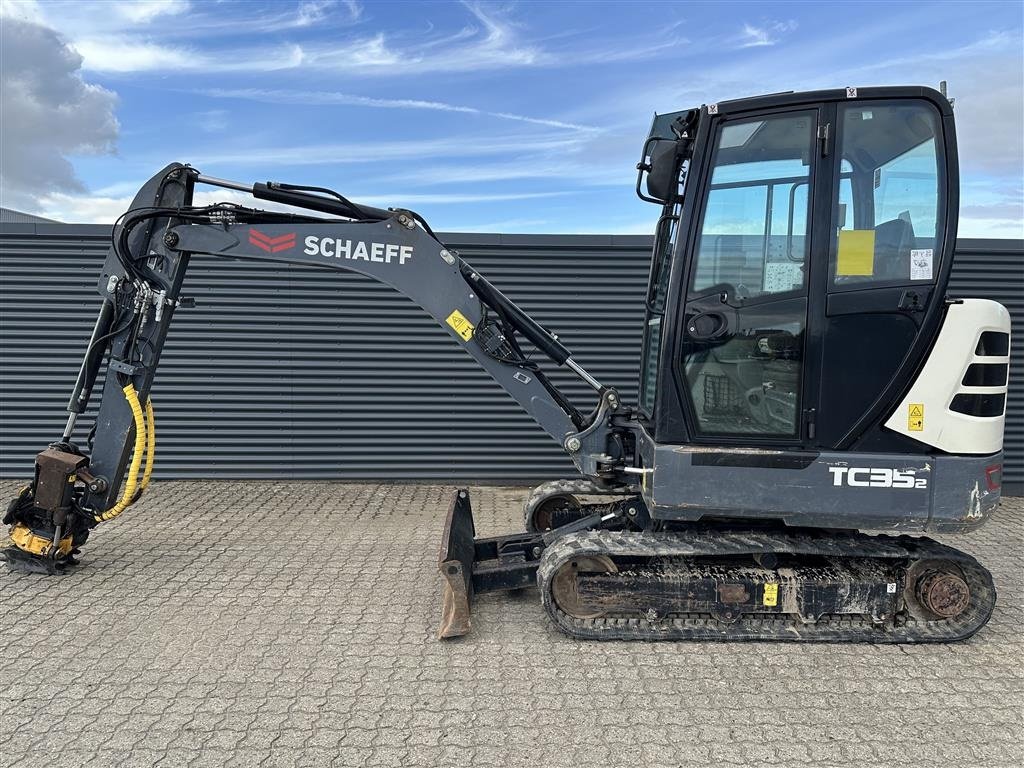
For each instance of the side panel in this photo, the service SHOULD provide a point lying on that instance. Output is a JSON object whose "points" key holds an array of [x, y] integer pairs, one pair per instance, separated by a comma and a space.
{"points": [[966, 492], [958, 402], [867, 491]]}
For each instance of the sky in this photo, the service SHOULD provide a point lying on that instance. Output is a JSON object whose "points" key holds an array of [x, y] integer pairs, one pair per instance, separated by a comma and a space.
{"points": [[495, 117]]}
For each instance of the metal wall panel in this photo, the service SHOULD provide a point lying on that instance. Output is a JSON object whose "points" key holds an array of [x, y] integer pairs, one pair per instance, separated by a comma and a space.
{"points": [[293, 372], [290, 372], [994, 269]]}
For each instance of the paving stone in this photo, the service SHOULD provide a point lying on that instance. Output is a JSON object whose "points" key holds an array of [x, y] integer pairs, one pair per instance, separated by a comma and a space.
{"points": [[293, 624]]}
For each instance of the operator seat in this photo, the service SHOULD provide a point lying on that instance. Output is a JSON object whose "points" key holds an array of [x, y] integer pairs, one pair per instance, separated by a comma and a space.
{"points": [[893, 241]]}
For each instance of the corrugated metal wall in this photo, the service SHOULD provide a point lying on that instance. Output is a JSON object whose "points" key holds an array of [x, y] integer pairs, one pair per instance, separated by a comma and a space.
{"points": [[994, 269], [289, 372]]}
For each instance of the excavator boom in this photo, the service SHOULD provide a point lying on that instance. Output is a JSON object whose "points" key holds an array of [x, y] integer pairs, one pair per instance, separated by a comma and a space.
{"points": [[141, 285]]}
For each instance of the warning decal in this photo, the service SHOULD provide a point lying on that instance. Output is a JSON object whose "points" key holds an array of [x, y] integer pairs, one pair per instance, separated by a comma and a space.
{"points": [[771, 595], [921, 264], [915, 417], [856, 255], [461, 325]]}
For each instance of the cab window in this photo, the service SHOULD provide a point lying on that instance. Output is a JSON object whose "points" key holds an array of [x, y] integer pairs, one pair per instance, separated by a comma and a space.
{"points": [[746, 311], [754, 233], [889, 195]]}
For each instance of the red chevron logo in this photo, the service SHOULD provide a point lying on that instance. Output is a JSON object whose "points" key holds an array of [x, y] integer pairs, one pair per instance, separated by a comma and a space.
{"points": [[271, 244]]}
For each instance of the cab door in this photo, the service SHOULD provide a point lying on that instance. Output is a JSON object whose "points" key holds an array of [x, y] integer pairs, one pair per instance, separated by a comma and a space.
{"points": [[743, 355], [886, 265]]}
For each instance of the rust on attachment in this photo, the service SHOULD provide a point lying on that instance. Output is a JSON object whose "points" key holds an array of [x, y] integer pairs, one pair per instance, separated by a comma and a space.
{"points": [[455, 564], [455, 602], [733, 593], [565, 585]]}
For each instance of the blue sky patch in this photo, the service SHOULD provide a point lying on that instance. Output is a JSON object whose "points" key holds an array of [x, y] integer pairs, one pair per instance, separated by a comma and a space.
{"points": [[512, 117]]}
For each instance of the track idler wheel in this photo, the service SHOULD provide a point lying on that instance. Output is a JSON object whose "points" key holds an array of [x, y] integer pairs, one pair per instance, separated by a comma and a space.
{"points": [[943, 593], [552, 512], [565, 581]]}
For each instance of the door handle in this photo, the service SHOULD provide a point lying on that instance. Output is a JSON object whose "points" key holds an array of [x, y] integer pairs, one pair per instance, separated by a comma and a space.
{"points": [[911, 301], [707, 326]]}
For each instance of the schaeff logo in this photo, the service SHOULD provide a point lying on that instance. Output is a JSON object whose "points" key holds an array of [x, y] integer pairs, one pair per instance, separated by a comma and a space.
{"points": [[271, 244], [336, 248], [877, 477]]}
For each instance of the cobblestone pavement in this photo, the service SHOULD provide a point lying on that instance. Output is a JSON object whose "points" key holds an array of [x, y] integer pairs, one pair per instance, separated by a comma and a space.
{"points": [[280, 624]]}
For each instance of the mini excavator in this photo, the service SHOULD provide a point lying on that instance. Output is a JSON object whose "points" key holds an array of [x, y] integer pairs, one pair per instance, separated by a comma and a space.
{"points": [[805, 377]]}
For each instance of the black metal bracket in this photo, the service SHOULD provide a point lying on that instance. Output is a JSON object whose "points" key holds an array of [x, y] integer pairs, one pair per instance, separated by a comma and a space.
{"points": [[129, 369]]}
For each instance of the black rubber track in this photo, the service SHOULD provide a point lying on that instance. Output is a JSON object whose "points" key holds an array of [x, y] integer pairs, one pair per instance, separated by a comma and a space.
{"points": [[773, 627]]}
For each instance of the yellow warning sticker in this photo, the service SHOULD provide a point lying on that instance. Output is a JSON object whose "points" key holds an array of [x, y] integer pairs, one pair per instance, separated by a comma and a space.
{"points": [[461, 325], [856, 253], [771, 594], [915, 417]]}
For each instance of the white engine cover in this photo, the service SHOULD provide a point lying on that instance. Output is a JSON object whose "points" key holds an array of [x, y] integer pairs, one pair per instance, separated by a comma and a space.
{"points": [[941, 380]]}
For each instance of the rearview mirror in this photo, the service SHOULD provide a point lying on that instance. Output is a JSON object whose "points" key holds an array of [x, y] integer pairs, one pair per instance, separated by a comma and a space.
{"points": [[663, 176]]}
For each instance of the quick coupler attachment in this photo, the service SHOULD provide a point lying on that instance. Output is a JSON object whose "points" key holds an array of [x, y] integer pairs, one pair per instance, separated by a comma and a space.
{"points": [[472, 566], [45, 528], [37, 545]]}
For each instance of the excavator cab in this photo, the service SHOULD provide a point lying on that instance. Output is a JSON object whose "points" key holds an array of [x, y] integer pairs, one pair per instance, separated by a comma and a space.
{"points": [[810, 275], [797, 291]]}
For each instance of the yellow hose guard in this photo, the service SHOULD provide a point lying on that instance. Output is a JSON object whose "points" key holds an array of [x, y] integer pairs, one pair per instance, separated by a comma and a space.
{"points": [[144, 446]]}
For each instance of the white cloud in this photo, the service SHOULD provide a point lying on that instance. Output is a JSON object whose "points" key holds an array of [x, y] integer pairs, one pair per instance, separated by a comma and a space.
{"points": [[312, 11], [430, 198], [25, 10], [212, 120], [550, 167], [135, 36], [382, 151], [131, 37], [49, 112], [492, 42], [105, 54], [82, 209], [144, 11], [120, 55], [105, 209], [769, 33], [108, 37], [89, 17], [985, 76], [354, 8], [348, 99], [987, 227]]}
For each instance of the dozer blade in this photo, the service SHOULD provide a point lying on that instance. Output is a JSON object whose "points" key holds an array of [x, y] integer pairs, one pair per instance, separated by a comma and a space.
{"points": [[473, 566], [456, 565]]}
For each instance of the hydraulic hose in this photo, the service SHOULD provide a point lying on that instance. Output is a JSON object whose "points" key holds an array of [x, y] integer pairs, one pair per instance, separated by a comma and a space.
{"points": [[150, 451], [132, 481], [150, 444]]}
